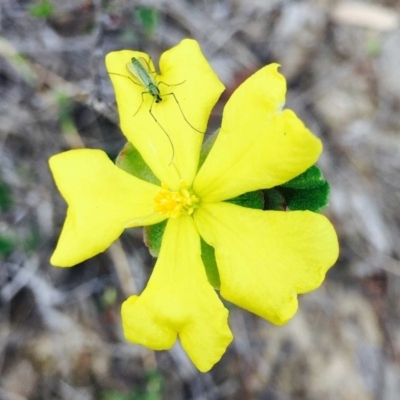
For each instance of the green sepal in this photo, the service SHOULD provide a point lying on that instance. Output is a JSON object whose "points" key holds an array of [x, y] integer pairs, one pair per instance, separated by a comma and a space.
{"points": [[153, 235], [210, 264], [308, 191], [130, 160], [207, 146], [249, 200]]}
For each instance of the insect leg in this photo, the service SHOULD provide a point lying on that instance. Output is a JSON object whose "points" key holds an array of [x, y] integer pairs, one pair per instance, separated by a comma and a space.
{"points": [[183, 115], [147, 62], [142, 103], [166, 133], [132, 80], [127, 77], [171, 84]]}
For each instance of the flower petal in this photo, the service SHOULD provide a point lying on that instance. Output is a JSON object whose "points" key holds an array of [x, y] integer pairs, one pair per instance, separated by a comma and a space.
{"points": [[259, 146], [178, 300], [168, 134], [103, 200], [266, 258]]}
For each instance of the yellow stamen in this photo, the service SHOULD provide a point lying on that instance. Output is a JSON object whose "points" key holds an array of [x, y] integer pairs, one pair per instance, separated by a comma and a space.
{"points": [[173, 203]]}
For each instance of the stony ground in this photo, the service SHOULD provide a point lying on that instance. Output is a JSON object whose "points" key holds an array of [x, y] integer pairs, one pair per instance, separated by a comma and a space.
{"points": [[60, 334]]}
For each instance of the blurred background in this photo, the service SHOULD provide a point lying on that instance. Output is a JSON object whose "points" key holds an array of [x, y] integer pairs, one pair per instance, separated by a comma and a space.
{"points": [[60, 330]]}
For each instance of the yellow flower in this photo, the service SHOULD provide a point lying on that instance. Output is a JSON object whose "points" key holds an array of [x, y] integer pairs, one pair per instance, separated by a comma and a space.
{"points": [[264, 258]]}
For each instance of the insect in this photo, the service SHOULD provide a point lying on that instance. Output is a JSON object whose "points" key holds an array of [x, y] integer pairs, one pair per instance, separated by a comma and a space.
{"points": [[141, 75], [139, 69]]}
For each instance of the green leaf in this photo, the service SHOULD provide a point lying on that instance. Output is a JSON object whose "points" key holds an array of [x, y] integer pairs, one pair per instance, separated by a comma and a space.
{"points": [[130, 160], [5, 197], [309, 179], [207, 146], [43, 9], [113, 395], [109, 298], [32, 240], [153, 235], [308, 191], [65, 110], [210, 264], [7, 245], [148, 18], [249, 200], [151, 388], [313, 199]]}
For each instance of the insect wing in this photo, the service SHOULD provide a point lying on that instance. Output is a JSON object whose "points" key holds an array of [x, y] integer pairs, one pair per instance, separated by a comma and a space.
{"points": [[145, 64], [139, 70], [139, 75]]}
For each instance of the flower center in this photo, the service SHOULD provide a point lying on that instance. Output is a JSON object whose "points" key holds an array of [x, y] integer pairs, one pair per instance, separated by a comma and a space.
{"points": [[173, 203]]}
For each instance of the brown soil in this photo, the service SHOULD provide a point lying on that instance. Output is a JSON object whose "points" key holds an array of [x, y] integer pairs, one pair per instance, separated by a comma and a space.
{"points": [[60, 330]]}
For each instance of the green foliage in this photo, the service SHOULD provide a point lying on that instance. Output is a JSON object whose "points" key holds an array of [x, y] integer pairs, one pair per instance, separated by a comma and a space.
{"points": [[207, 146], [374, 46], [29, 242], [310, 178], [130, 160], [32, 241], [111, 395], [109, 297], [42, 9], [7, 245], [152, 390], [153, 236], [308, 191], [210, 264], [5, 197], [249, 200], [154, 386], [65, 107], [148, 18]]}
